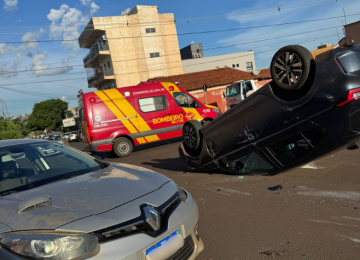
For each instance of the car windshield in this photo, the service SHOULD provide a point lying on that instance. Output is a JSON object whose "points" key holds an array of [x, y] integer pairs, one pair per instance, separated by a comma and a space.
{"points": [[232, 90], [26, 166], [184, 100], [55, 137]]}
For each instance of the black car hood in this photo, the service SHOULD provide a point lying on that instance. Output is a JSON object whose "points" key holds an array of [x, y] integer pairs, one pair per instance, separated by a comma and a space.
{"points": [[78, 197]]}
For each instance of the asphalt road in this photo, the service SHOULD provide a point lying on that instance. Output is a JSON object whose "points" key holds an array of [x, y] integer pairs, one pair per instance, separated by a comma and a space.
{"points": [[316, 214]]}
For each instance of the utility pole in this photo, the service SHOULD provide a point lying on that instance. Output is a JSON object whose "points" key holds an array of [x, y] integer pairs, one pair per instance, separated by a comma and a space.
{"points": [[344, 16], [2, 107]]}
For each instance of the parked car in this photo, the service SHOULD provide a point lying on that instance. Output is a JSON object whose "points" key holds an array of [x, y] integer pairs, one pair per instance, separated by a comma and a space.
{"points": [[73, 136], [309, 110], [79, 136], [60, 203], [66, 135], [54, 136], [119, 119]]}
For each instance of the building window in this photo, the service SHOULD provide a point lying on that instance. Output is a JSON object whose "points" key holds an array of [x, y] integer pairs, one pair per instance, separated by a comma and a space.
{"points": [[150, 30], [108, 63], [249, 66], [237, 65], [233, 65], [197, 50], [152, 104], [155, 55]]}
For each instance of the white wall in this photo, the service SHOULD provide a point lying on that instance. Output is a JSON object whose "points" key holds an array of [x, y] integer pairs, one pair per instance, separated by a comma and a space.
{"points": [[220, 61]]}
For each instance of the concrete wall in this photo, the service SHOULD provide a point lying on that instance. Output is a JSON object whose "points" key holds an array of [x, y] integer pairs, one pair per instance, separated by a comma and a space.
{"points": [[130, 46], [352, 32], [221, 61]]}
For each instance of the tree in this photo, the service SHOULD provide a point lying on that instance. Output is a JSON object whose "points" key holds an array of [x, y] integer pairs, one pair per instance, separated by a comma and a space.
{"points": [[10, 130], [47, 114]]}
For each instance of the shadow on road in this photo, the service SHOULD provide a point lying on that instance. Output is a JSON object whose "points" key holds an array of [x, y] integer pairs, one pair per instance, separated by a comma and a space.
{"points": [[138, 148], [170, 164]]}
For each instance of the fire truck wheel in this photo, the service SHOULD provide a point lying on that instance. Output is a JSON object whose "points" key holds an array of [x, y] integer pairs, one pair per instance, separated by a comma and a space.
{"points": [[191, 134], [123, 147], [291, 67]]}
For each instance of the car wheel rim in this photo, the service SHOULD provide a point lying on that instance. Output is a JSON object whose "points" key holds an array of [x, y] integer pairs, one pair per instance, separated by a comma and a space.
{"points": [[288, 68], [189, 136], [123, 148]]}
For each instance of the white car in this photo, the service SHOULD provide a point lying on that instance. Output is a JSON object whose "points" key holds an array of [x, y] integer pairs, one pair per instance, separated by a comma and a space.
{"points": [[72, 136]]}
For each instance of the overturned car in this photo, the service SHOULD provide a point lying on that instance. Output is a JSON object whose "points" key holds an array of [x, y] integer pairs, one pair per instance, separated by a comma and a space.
{"points": [[307, 111]]}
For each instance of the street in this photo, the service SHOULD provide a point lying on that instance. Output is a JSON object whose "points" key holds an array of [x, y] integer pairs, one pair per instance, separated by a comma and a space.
{"points": [[314, 214]]}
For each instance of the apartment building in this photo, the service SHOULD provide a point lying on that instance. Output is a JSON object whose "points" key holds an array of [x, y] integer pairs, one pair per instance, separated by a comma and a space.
{"points": [[133, 47], [196, 62]]}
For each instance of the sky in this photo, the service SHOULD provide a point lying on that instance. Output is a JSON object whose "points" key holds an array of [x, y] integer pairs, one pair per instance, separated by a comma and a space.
{"points": [[32, 71]]}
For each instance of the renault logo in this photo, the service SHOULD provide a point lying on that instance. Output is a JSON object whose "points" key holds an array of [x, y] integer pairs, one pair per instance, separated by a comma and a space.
{"points": [[152, 217]]}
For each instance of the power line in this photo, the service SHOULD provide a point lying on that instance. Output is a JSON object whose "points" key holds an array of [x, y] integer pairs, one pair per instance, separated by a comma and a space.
{"points": [[220, 47], [200, 32], [2, 86]]}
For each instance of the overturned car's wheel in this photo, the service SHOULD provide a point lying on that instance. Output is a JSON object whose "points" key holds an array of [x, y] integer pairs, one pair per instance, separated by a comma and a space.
{"points": [[292, 67], [191, 134]]}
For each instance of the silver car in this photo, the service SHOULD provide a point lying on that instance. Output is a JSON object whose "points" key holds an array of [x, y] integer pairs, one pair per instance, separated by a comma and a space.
{"points": [[89, 209]]}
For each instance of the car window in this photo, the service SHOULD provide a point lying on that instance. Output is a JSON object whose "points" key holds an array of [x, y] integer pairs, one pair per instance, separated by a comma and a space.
{"points": [[184, 100], [295, 147], [29, 165], [252, 162], [152, 104]]}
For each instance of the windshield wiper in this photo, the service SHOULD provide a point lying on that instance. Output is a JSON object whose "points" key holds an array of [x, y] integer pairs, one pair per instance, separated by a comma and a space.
{"points": [[8, 192], [101, 163], [72, 175]]}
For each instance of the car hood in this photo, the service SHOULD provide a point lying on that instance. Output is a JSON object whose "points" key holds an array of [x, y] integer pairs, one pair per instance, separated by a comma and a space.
{"points": [[78, 197]]}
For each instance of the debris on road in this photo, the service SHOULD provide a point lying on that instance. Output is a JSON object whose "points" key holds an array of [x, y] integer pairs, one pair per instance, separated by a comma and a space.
{"points": [[275, 188], [240, 177], [274, 253]]}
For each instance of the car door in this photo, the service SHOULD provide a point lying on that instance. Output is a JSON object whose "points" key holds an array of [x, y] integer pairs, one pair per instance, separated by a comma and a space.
{"points": [[158, 118], [263, 116]]}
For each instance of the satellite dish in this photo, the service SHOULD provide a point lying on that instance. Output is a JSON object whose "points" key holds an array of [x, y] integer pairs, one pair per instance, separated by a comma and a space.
{"points": [[256, 72]]}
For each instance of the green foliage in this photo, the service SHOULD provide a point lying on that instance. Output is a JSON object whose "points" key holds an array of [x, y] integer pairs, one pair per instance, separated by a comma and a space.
{"points": [[10, 130], [47, 114], [24, 130], [68, 114]]}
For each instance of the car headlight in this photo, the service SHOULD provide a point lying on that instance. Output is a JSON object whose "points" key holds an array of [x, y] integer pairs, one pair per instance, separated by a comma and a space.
{"points": [[217, 111], [182, 194], [50, 245]]}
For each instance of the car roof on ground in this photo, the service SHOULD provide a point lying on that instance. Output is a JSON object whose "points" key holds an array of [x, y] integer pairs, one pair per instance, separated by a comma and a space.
{"points": [[4, 143]]}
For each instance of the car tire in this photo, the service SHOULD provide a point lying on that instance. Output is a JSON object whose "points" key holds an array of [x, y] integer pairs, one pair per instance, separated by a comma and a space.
{"points": [[123, 147], [291, 68], [191, 134]]}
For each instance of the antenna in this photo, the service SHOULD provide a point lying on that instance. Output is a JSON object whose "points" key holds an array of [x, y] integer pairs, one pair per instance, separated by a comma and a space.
{"points": [[126, 12], [256, 72]]}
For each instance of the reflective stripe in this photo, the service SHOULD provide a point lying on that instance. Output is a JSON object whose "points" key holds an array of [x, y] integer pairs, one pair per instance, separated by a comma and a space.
{"points": [[129, 111], [116, 112]]}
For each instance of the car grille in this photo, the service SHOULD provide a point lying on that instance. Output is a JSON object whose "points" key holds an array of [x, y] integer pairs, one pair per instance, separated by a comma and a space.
{"points": [[138, 224], [186, 251]]}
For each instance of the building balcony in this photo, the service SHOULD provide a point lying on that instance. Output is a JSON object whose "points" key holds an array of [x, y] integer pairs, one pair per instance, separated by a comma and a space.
{"points": [[95, 54], [100, 78]]}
